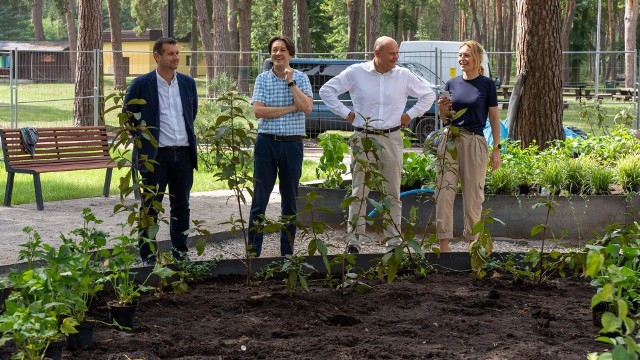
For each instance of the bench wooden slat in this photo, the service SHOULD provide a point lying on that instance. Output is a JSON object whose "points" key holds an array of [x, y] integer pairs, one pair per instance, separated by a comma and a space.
{"points": [[55, 167], [88, 149], [52, 157], [57, 149]]}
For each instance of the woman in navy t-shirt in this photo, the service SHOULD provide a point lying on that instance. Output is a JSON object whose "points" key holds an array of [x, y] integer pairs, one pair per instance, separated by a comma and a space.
{"points": [[477, 94]]}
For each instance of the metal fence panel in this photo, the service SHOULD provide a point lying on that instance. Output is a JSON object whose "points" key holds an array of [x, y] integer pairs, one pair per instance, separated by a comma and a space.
{"points": [[37, 88]]}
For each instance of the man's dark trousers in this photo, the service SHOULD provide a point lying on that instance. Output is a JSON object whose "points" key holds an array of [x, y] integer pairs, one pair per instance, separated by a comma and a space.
{"points": [[282, 159], [174, 168]]}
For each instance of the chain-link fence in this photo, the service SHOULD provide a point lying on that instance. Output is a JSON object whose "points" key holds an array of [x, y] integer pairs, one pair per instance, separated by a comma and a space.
{"points": [[37, 88]]}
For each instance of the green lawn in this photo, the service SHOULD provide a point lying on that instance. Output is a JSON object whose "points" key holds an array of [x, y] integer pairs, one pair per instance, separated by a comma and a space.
{"points": [[89, 183], [51, 104]]}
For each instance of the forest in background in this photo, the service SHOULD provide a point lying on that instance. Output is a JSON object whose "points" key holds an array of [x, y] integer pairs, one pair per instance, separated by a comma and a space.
{"points": [[492, 22]]}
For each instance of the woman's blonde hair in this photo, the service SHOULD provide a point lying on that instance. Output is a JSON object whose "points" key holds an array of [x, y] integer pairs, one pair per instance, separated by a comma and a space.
{"points": [[476, 53]]}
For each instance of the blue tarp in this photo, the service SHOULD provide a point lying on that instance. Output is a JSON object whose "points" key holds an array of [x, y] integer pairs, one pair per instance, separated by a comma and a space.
{"points": [[504, 132]]}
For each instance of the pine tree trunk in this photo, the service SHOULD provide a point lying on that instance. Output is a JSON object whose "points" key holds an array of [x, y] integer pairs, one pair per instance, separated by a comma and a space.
{"points": [[245, 46], [303, 26], [287, 18], [207, 40], [487, 41], [89, 39], [372, 22], [447, 14], [611, 28], [232, 18], [36, 19], [462, 25], [354, 7], [569, 15], [72, 33], [193, 68], [509, 29], [630, 25], [539, 53], [164, 19], [221, 39], [119, 71], [499, 34], [475, 23]]}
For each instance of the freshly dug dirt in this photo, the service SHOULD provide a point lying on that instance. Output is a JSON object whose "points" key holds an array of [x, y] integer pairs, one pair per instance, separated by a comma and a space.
{"points": [[442, 316]]}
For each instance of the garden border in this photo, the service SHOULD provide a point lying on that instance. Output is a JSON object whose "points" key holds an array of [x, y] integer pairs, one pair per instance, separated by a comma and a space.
{"points": [[579, 215]]}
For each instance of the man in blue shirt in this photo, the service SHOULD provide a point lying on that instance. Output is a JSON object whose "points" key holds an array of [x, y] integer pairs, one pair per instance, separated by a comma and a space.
{"points": [[281, 98]]}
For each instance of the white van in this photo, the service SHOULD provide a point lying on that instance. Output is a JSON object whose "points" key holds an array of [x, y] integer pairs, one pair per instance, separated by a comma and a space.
{"points": [[437, 61]]}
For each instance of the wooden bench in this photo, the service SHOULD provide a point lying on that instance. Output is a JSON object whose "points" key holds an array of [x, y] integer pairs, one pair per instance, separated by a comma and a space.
{"points": [[58, 149], [604, 96], [620, 97]]}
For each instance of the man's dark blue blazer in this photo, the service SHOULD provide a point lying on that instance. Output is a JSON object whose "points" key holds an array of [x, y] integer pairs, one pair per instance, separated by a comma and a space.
{"points": [[146, 87]]}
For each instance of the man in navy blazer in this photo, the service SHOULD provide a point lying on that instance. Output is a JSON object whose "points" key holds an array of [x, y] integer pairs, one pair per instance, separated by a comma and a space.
{"points": [[169, 114]]}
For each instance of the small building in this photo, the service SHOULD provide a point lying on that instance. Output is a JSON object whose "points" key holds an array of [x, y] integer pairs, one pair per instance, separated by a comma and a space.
{"points": [[137, 52], [36, 60]]}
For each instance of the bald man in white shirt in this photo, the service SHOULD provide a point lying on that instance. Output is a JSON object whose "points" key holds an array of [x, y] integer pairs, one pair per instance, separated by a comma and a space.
{"points": [[379, 91]]}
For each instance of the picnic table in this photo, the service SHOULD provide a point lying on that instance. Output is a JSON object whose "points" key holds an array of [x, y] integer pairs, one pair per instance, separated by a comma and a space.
{"points": [[506, 90], [578, 90], [624, 94]]}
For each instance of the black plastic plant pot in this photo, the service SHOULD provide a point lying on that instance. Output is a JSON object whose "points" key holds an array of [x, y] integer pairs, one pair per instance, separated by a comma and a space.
{"points": [[84, 338], [54, 350], [122, 316], [4, 295]]}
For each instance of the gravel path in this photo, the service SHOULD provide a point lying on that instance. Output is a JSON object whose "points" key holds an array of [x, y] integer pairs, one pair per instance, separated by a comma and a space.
{"points": [[214, 208]]}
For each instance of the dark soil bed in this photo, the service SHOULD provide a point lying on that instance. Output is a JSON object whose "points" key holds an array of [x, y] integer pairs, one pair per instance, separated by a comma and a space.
{"points": [[440, 317]]}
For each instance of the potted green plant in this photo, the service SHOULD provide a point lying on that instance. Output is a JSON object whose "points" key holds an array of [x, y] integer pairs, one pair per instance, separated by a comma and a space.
{"points": [[33, 327], [628, 172], [501, 181], [331, 165], [78, 259], [6, 287], [552, 178], [418, 171], [120, 265], [576, 174], [36, 315], [600, 178]]}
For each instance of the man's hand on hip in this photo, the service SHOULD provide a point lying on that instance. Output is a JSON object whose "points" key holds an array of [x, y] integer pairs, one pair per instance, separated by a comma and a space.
{"points": [[405, 119], [351, 117]]}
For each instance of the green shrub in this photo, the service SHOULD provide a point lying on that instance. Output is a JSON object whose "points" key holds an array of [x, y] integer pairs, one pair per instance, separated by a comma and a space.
{"points": [[606, 149], [332, 166], [600, 178], [418, 171], [502, 181], [552, 177], [628, 172], [576, 174], [522, 162]]}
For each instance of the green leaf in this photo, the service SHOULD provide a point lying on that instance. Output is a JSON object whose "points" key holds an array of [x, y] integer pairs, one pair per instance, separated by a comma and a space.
{"points": [[459, 113], [604, 295], [538, 229], [162, 271], [68, 326], [610, 323], [620, 353], [137, 102], [200, 246]]}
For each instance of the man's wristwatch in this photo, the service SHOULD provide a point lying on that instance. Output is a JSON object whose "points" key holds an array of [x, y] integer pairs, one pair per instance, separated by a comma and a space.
{"points": [[292, 83], [499, 146]]}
